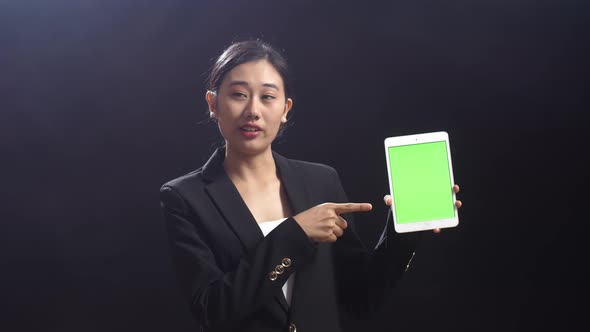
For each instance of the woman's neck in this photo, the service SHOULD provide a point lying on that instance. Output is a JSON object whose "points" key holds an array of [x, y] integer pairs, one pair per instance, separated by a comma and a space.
{"points": [[250, 168]]}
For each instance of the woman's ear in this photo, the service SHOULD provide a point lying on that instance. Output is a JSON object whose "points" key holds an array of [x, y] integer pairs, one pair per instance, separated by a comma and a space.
{"points": [[211, 98], [288, 106]]}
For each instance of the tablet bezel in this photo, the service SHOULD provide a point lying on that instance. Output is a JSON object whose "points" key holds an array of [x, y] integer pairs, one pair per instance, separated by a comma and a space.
{"points": [[404, 140]]}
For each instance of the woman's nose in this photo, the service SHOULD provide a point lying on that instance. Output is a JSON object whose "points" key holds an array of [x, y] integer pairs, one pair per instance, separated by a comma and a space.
{"points": [[253, 109]]}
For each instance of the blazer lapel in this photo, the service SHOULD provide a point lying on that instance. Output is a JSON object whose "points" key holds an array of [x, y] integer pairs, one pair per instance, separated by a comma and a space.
{"points": [[300, 199], [293, 183], [227, 198]]}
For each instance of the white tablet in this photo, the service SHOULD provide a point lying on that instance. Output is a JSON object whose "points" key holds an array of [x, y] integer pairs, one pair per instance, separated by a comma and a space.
{"points": [[421, 182]]}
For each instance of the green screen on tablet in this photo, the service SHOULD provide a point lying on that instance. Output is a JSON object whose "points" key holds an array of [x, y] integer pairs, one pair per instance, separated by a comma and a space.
{"points": [[421, 182]]}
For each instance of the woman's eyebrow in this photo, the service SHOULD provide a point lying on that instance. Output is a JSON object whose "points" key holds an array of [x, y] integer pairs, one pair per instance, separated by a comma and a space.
{"points": [[268, 85], [232, 83], [271, 85]]}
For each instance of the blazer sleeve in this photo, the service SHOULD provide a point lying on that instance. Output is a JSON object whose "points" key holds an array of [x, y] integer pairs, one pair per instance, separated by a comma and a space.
{"points": [[219, 298], [366, 276]]}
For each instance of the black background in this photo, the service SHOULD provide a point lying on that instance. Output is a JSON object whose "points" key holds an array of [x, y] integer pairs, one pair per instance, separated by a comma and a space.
{"points": [[103, 101]]}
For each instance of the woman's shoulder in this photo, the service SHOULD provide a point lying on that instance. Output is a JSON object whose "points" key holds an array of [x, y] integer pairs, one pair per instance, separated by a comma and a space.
{"points": [[175, 192], [198, 177], [310, 168], [313, 166], [190, 179]]}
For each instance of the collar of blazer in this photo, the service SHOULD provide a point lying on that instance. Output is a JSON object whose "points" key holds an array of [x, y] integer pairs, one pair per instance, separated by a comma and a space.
{"points": [[227, 198]]}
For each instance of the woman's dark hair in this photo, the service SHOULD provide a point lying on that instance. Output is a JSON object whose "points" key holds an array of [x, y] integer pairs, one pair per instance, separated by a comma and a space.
{"points": [[246, 51]]}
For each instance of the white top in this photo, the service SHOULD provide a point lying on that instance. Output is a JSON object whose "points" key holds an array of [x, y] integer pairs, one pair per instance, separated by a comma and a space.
{"points": [[266, 227]]}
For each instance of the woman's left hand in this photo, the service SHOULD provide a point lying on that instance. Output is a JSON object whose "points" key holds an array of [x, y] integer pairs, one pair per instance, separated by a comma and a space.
{"points": [[458, 203]]}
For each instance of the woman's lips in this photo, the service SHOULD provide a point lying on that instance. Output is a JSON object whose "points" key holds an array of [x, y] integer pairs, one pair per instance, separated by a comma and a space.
{"points": [[250, 131]]}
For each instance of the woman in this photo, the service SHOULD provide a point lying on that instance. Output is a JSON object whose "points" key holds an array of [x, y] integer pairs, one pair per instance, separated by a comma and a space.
{"points": [[261, 242]]}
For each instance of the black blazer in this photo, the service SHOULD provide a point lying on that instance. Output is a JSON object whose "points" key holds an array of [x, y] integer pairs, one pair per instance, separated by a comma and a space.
{"points": [[227, 269]]}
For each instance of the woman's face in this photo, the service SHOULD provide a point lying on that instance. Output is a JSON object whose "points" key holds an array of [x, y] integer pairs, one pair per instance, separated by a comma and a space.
{"points": [[250, 106]]}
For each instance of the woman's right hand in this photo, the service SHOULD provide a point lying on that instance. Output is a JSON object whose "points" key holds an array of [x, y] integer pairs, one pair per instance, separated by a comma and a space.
{"points": [[323, 223]]}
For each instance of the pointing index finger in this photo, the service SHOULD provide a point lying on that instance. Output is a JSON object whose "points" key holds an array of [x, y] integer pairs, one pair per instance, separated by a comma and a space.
{"points": [[352, 207]]}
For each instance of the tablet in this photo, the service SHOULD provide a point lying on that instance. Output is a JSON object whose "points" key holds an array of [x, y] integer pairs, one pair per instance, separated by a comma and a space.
{"points": [[421, 181]]}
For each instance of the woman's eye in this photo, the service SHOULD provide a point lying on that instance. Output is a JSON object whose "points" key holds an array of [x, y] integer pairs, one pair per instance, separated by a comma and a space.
{"points": [[238, 95], [268, 97]]}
